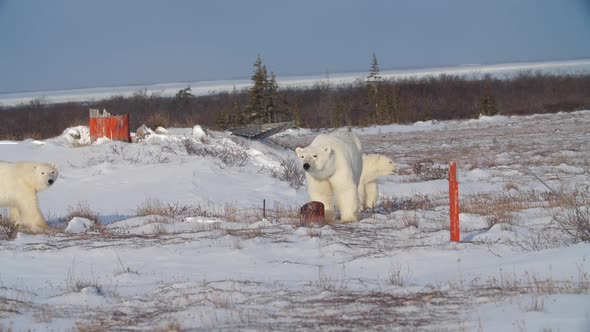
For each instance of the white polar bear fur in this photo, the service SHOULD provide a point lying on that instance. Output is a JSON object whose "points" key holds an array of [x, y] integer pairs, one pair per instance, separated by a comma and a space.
{"points": [[335, 167], [374, 166], [19, 184]]}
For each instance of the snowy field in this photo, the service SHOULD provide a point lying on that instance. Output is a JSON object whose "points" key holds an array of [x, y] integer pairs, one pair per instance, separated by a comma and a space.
{"points": [[182, 242], [501, 71]]}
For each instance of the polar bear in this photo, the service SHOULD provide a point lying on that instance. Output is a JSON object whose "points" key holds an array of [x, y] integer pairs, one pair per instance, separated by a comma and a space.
{"points": [[333, 165], [19, 184], [374, 166]]}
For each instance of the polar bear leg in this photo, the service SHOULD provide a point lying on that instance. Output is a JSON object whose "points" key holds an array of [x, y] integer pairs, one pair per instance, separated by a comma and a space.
{"points": [[15, 215], [30, 214], [347, 200], [321, 191], [371, 194], [362, 195]]}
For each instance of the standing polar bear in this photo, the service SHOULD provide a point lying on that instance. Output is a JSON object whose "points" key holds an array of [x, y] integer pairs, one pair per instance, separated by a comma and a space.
{"points": [[19, 184], [374, 166], [333, 165]]}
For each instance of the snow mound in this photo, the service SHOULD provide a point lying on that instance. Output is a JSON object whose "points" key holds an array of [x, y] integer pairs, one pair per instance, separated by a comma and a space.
{"points": [[161, 130], [75, 136], [79, 225], [199, 133]]}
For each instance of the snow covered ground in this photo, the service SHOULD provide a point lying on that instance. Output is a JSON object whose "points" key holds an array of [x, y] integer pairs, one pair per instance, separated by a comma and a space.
{"points": [[182, 243], [504, 70]]}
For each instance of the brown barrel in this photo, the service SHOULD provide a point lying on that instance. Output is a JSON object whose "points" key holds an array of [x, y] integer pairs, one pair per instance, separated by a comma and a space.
{"points": [[312, 212]]}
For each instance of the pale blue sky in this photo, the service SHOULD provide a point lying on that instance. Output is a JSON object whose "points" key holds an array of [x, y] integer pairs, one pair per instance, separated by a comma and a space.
{"points": [[81, 43]]}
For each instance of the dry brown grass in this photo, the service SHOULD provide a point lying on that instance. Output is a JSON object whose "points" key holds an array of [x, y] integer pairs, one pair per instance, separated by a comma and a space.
{"points": [[158, 119], [415, 202], [82, 210], [574, 216], [501, 207], [153, 206]]}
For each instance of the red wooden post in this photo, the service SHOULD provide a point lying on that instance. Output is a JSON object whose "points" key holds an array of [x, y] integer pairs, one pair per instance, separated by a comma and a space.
{"points": [[454, 202], [312, 212]]}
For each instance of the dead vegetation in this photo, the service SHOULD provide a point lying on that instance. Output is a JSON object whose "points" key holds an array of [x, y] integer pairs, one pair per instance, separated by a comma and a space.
{"points": [[8, 229], [231, 152], [290, 171], [82, 210], [573, 218]]}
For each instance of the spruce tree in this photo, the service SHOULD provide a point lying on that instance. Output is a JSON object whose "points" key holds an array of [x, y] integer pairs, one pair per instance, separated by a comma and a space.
{"points": [[272, 105], [394, 108], [376, 102], [337, 115], [257, 106], [374, 75], [296, 115], [237, 116], [487, 103]]}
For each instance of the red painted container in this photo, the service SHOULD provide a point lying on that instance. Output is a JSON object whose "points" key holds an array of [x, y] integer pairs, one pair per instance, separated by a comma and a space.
{"points": [[114, 127]]}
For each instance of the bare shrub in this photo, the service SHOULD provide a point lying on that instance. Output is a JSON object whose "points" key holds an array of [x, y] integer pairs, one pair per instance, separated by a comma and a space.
{"points": [[159, 229], [410, 220], [574, 217], [8, 229], [283, 213], [541, 239], [327, 283], [537, 304], [154, 120], [206, 227], [314, 232], [498, 208], [426, 170], [77, 283], [230, 212], [290, 171], [153, 206], [398, 277], [227, 153]]}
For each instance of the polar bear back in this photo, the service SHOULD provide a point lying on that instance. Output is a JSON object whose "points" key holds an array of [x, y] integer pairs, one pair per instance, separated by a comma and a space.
{"points": [[11, 174]]}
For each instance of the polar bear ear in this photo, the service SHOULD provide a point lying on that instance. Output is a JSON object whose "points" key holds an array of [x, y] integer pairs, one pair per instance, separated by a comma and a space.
{"points": [[328, 150], [298, 150], [54, 165]]}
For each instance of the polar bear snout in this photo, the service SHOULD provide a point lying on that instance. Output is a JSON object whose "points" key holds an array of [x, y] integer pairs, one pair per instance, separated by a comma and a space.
{"points": [[50, 181], [306, 166]]}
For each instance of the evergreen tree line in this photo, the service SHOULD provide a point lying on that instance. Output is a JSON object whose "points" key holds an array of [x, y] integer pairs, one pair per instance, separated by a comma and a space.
{"points": [[371, 101]]}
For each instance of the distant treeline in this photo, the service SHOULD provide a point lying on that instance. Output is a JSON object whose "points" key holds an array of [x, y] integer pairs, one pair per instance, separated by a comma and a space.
{"points": [[362, 103]]}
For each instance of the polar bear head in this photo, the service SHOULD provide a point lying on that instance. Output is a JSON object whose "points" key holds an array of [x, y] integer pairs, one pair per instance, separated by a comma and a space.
{"points": [[44, 175], [317, 161], [376, 165]]}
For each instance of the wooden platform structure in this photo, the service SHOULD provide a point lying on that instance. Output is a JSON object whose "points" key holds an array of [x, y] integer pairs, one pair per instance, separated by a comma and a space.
{"points": [[260, 131]]}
